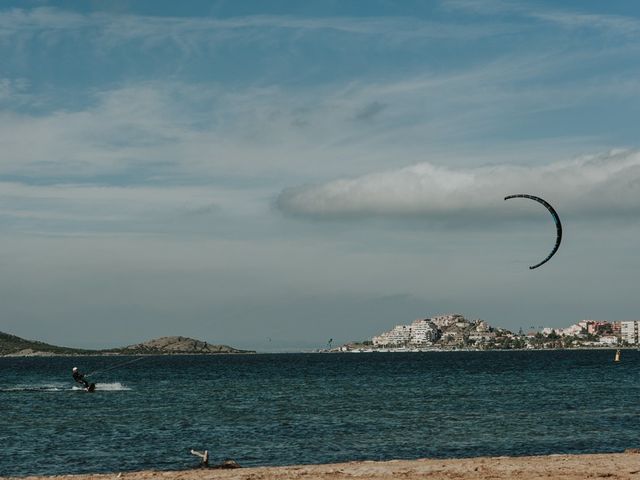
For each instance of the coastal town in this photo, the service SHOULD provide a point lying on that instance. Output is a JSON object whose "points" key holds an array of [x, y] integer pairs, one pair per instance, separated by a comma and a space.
{"points": [[455, 332]]}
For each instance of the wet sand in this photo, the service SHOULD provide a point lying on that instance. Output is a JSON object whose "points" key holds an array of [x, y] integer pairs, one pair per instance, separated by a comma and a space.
{"points": [[566, 467]]}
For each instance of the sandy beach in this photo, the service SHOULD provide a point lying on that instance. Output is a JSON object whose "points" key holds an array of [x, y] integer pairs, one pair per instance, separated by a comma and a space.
{"points": [[568, 467]]}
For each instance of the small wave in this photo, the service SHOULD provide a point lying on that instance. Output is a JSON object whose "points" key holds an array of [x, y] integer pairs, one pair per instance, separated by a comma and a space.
{"points": [[111, 387], [105, 387], [35, 388]]}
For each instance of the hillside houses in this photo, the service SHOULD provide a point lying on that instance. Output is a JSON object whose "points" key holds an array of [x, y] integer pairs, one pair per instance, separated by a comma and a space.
{"points": [[451, 330]]}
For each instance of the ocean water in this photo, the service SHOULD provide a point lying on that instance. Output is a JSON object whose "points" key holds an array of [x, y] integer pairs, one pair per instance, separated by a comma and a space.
{"points": [[313, 408]]}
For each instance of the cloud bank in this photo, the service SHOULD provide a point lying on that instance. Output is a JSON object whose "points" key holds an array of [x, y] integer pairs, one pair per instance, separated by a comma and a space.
{"points": [[604, 186]]}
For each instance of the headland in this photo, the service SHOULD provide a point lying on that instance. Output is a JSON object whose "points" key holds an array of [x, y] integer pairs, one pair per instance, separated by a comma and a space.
{"points": [[13, 346]]}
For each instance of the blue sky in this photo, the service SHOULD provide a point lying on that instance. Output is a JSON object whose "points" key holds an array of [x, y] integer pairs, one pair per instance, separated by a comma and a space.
{"points": [[239, 171]]}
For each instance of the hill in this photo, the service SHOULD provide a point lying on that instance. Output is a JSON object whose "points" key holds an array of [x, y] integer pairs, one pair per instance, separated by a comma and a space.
{"points": [[11, 345], [176, 345]]}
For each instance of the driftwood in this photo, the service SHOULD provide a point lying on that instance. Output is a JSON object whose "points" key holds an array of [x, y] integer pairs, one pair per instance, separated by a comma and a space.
{"points": [[204, 457]]}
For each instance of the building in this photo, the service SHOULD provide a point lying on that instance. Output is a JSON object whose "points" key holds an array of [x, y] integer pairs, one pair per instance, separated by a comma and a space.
{"points": [[629, 331], [399, 335], [420, 332], [599, 327], [481, 326], [616, 328], [424, 332], [481, 336], [455, 335], [575, 330], [444, 321], [449, 330]]}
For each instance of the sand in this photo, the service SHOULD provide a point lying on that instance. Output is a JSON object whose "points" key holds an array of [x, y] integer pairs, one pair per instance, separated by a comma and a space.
{"points": [[567, 467]]}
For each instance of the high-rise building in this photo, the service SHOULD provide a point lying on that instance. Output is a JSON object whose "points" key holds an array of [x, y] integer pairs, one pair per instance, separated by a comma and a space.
{"points": [[629, 331], [424, 331], [420, 332], [399, 335]]}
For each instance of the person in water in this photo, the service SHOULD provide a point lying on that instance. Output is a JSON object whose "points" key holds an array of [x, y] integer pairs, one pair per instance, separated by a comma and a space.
{"points": [[79, 377]]}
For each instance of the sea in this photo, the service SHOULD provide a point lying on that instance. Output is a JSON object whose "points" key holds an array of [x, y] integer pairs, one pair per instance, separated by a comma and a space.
{"points": [[283, 409]]}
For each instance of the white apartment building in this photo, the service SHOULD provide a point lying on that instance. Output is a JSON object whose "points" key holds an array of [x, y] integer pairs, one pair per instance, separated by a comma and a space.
{"points": [[420, 332], [423, 331], [574, 329], [569, 331], [608, 340], [629, 331], [399, 335]]}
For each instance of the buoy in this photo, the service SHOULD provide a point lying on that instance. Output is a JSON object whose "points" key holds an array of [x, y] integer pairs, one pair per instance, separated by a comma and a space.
{"points": [[617, 358]]}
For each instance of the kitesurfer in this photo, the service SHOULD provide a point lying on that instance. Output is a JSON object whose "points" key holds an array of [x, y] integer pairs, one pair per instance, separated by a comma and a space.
{"points": [[79, 377]]}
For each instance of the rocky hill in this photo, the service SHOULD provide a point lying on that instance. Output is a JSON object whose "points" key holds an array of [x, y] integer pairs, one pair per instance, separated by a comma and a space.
{"points": [[168, 345], [11, 345]]}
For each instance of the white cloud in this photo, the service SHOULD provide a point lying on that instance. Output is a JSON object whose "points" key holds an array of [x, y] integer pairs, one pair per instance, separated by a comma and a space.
{"points": [[617, 25], [192, 34], [604, 186], [14, 90], [611, 24], [175, 129]]}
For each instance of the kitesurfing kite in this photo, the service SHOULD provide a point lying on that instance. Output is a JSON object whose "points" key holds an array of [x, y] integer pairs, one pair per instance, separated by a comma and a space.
{"points": [[556, 219]]}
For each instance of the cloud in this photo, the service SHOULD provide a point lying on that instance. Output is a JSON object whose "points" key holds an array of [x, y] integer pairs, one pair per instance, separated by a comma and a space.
{"points": [[13, 90], [602, 186], [370, 111], [191, 34], [617, 25], [611, 24], [73, 209], [172, 133], [172, 127]]}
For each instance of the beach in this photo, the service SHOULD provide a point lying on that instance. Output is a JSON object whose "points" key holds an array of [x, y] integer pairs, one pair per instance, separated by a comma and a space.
{"points": [[566, 467]]}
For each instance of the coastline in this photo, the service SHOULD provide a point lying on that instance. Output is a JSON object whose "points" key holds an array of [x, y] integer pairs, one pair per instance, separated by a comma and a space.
{"points": [[107, 354], [438, 350], [567, 467], [252, 352]]}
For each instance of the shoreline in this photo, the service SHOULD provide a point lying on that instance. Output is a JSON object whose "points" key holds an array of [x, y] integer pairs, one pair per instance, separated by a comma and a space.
{"points": [[66, 355], [443, 350], [567, 467]]}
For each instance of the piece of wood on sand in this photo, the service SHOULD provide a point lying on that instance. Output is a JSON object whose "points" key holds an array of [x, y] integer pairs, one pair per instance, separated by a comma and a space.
{"points": [[204, 457]]}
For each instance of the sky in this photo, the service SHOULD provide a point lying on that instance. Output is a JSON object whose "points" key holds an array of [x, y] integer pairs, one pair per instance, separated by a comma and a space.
{"points": [[272, 174]]}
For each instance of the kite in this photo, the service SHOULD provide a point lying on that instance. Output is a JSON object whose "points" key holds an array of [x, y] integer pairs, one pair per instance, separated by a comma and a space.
{"points": [[556, 219]]}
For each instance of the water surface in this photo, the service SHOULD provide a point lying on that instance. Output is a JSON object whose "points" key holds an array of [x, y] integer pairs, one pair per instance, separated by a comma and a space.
{"points": [[313, 408]]}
